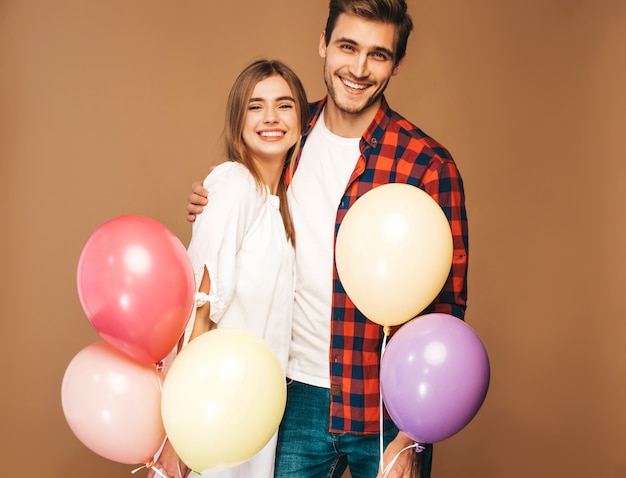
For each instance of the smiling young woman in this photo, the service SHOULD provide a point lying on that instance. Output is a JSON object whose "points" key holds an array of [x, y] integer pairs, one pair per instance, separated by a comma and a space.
{"points": [[242, 246]]}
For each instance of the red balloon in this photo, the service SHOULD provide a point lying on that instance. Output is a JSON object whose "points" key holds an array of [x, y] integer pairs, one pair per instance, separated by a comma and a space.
{"points": [[136, 286]]}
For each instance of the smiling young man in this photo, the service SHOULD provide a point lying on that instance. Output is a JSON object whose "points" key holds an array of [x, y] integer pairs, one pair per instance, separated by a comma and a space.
{"points": [[354, 142]]}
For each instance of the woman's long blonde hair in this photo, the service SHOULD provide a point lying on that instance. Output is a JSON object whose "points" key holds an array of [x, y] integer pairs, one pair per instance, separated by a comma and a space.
{"points": [[236, 109]]}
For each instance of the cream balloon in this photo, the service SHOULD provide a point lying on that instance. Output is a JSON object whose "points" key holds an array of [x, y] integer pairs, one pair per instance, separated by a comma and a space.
{"points": [[223, 398], [393, 252]]}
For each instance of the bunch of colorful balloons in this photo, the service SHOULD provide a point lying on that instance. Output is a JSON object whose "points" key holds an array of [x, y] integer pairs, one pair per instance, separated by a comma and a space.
{"points": [[393, 255], [135, 285], [219, 400]]}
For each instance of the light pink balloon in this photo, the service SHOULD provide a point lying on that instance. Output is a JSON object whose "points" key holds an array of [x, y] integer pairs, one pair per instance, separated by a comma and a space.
{"points": [[112, 403], [136, 286]]}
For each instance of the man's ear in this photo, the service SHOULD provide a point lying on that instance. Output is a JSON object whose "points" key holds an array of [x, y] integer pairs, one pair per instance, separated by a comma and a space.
{"points": [[322, 45], [397, 68]]}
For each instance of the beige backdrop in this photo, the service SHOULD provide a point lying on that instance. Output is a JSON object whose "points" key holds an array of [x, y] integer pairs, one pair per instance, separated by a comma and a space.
{"points": [[111, 108]]}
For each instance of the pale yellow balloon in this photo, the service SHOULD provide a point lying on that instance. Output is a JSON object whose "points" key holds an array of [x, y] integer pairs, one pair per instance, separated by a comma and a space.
{"points": [[393, 252], [223, 398]]}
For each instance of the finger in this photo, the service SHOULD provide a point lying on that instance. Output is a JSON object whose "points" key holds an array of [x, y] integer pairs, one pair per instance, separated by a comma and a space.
{"points": [[198, 189], [193, 209], [151, 473]]}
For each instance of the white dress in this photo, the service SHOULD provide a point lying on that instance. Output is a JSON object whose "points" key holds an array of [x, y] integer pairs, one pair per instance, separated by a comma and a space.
{"points": [[240, 238]]}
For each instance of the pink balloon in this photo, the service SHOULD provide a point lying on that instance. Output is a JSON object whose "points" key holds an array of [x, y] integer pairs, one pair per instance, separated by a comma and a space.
{"points": [[136, 286], [112, 403], [434, 377]]}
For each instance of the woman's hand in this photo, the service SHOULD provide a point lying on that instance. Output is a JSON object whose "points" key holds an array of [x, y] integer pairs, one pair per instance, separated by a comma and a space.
{"points": [[169, 464]]}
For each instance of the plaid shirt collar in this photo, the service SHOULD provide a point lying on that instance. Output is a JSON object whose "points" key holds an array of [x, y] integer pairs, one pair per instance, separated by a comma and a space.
{"points": [[372, 134]]}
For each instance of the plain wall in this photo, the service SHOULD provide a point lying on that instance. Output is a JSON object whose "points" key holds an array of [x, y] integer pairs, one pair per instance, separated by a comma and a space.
{"points": [[112, 108]]}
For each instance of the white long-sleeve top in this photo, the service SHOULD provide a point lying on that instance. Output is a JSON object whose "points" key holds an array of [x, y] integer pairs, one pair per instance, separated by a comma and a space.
{"points": [[240, 238]]}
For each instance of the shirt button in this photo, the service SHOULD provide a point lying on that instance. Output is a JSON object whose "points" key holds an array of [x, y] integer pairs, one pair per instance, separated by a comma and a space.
{"points": [[335, 390], [374, 141]]}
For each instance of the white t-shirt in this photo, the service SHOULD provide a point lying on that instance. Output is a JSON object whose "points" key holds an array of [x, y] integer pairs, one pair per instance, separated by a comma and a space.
{"points": [[240, 238], [319, 183]]}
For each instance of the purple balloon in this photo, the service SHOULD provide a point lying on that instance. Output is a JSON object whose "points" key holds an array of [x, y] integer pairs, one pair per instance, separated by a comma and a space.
{"points": [[434, 376]]}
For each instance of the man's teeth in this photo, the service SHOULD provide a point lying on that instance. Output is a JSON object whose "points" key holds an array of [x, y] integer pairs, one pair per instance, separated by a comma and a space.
{"points": [[271, 133], [354, 86]]}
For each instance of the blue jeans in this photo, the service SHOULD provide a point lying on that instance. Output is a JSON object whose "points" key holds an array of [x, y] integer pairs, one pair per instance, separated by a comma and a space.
{"points": [[306, 449]]}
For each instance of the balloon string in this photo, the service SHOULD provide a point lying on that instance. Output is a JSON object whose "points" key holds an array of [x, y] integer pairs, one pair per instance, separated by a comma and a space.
{"points": [[382, 351], [150, 465], [418, 449], [158, 371]]}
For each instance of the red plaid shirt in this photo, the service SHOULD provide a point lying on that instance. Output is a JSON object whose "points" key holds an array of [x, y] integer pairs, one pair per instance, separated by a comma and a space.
{"points": [[392, 151]]}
